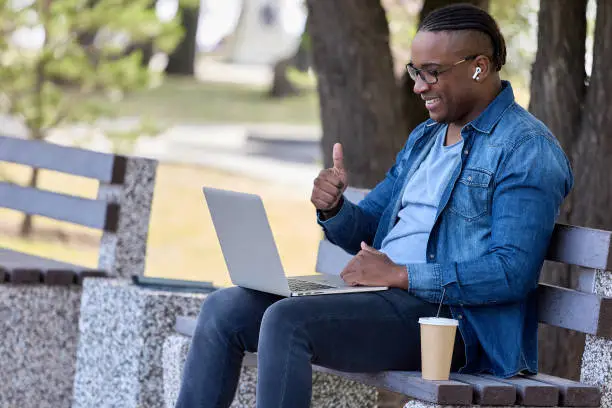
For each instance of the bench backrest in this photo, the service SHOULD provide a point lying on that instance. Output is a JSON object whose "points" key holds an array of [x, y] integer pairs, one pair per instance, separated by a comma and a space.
{"points": [[121, 209], [581, 309]]}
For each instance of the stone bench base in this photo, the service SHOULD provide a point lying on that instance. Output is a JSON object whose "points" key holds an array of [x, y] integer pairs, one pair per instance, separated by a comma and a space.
{"points": [[328, 391], [122, 330], [39, 329]]}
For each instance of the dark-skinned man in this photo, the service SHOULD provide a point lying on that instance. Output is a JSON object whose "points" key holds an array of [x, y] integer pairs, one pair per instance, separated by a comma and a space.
{"points": [[467, 209]]}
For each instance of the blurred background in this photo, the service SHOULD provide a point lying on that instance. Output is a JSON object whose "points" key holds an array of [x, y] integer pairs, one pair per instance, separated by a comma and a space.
{"points": [[250, 95]]}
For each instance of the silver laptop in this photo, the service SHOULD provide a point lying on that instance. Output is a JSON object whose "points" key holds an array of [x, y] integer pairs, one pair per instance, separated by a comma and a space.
{"points": [[251, 254]]}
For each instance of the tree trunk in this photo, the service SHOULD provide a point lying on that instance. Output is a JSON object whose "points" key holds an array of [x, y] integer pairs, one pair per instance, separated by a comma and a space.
{"points": [[592, 153], [281, 85], [182, 59], [412, 104], [557, 95], [26, 225], [359, 96]]}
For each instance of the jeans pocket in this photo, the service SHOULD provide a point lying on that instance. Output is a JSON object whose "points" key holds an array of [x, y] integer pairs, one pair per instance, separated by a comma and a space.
{"points": [[470, 197]]}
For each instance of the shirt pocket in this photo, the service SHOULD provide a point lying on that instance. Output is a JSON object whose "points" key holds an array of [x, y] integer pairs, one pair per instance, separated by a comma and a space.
{"points": [[470, 197]]}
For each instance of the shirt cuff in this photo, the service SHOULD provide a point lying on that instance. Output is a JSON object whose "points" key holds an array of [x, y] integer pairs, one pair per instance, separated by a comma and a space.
{"points": [[336, 220]]}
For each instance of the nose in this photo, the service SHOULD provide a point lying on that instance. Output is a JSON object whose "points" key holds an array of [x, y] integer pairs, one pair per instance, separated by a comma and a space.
{"points": [[420, 86]]}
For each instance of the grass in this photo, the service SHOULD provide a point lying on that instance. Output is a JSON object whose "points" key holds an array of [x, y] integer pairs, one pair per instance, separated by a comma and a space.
{"points": [[185, 100], [180, 100], [182, 243]]}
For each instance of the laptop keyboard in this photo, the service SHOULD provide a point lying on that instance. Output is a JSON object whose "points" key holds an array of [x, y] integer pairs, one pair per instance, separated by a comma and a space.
{"points": [[297, 285]]}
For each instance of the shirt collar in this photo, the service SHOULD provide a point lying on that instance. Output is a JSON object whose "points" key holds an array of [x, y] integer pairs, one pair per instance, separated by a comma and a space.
{"points": [[486, 121]]}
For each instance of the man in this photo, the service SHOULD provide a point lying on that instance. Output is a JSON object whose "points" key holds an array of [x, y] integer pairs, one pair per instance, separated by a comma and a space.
{"points": [[468, 208]]}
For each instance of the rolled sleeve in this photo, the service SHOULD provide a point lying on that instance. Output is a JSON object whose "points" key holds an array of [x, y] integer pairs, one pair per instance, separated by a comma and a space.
{"points": [[425, 281]]}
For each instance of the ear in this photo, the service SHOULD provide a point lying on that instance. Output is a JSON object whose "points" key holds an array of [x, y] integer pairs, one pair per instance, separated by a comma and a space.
{"points": [[483, 67]]}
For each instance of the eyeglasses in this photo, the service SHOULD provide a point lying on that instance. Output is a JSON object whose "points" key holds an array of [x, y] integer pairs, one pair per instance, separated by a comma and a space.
{"points": [[430, 76]]}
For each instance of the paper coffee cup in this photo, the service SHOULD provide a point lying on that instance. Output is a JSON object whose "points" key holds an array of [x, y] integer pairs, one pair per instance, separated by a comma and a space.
{"points": [[437, 344]]}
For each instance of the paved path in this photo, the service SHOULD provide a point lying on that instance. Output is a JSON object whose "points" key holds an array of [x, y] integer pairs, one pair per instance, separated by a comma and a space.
{"points": [[276, 152]]}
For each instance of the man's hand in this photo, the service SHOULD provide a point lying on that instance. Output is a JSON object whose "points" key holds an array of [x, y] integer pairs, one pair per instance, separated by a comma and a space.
{"points": [[330, 185], [373, 268]]}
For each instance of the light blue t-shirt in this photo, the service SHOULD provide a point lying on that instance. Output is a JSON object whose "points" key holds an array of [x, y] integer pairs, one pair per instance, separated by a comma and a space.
{"points": [[407, 242]]}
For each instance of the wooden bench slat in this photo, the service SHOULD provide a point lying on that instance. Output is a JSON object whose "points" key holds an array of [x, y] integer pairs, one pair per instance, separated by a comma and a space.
{"points": [[24, 275], [530, 392], [488, 391], [185, 325], [584, 312], [571, 393], [89, 273], [105, 167], [20, 267], [411, 384], [331, 259], [587, 247], [78, 210], [58, 276]]}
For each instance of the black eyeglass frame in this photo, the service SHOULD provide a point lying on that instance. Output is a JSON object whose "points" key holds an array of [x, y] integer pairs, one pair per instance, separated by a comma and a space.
{"points": [[415, 72]]}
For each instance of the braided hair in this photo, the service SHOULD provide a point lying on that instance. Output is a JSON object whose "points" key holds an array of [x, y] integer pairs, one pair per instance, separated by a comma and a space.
{"points": [[457, 17]]}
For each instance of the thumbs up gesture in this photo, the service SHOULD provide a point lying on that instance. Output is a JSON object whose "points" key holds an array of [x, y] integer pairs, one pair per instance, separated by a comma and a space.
{"points": [[329, 185]]}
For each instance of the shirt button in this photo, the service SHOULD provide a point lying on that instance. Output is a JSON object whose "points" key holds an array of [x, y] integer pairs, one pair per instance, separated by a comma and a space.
{"points": [[469, 178], [460, 317], [431, 256], [466, 152]]}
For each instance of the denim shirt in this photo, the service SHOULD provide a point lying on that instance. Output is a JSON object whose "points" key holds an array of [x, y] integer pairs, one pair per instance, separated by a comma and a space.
{"points": [[491, 231]]}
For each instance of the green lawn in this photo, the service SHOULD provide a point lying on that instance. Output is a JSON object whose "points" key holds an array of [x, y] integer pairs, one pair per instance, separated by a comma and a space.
{"points": [[185, 100]]}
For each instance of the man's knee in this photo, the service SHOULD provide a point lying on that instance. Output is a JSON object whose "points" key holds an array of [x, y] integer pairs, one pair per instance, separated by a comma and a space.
{"points": [[284, 317], [225, 310]]}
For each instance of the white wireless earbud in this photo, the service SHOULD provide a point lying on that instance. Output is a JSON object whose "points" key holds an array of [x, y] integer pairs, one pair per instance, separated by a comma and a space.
{"points": [[478, 71]]}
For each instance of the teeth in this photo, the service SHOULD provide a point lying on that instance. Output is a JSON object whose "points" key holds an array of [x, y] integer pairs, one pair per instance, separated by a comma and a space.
{"points": [[431, 101]]}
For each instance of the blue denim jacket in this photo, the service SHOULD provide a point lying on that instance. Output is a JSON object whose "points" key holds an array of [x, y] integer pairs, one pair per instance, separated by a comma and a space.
{"points": [[491, 233]]}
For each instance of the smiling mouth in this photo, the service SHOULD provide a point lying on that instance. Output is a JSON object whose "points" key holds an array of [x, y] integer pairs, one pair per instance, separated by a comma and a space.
{"points": [[431, 102]]}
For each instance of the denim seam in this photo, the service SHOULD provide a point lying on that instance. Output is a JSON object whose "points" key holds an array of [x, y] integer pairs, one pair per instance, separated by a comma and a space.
{"points": [[285, 375], [518, 144], [224, 371]]}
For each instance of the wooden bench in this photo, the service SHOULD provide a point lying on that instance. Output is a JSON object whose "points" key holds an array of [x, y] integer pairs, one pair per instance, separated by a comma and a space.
{"points": [[121, 210], [580, 310], [40, 298]]}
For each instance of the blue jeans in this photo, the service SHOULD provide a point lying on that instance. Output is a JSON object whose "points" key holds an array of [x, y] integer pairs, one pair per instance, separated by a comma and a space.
{"points": [[358, 332]]}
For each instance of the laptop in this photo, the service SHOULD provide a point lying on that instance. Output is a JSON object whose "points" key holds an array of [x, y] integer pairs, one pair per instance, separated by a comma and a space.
{"points": [[251, 254]]}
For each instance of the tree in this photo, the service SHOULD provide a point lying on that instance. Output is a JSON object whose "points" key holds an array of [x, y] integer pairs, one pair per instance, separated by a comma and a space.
{"points": [[182, 60], [577, 110], [33, 79], [281, 84]]}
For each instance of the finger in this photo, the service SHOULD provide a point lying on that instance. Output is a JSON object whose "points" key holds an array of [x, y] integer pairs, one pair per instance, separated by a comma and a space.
{"points": [[338, 157], [330, 176], [325, 196], [329, 186], [349, 269], [369, 249], [321, 205]]}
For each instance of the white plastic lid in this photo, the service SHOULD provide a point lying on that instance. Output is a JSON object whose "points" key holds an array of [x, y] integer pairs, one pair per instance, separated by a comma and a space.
{"points": [[439, 321]]}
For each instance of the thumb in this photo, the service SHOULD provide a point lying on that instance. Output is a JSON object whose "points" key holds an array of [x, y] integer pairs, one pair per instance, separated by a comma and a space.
{"points": [[338, 157], [368, 248]]}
